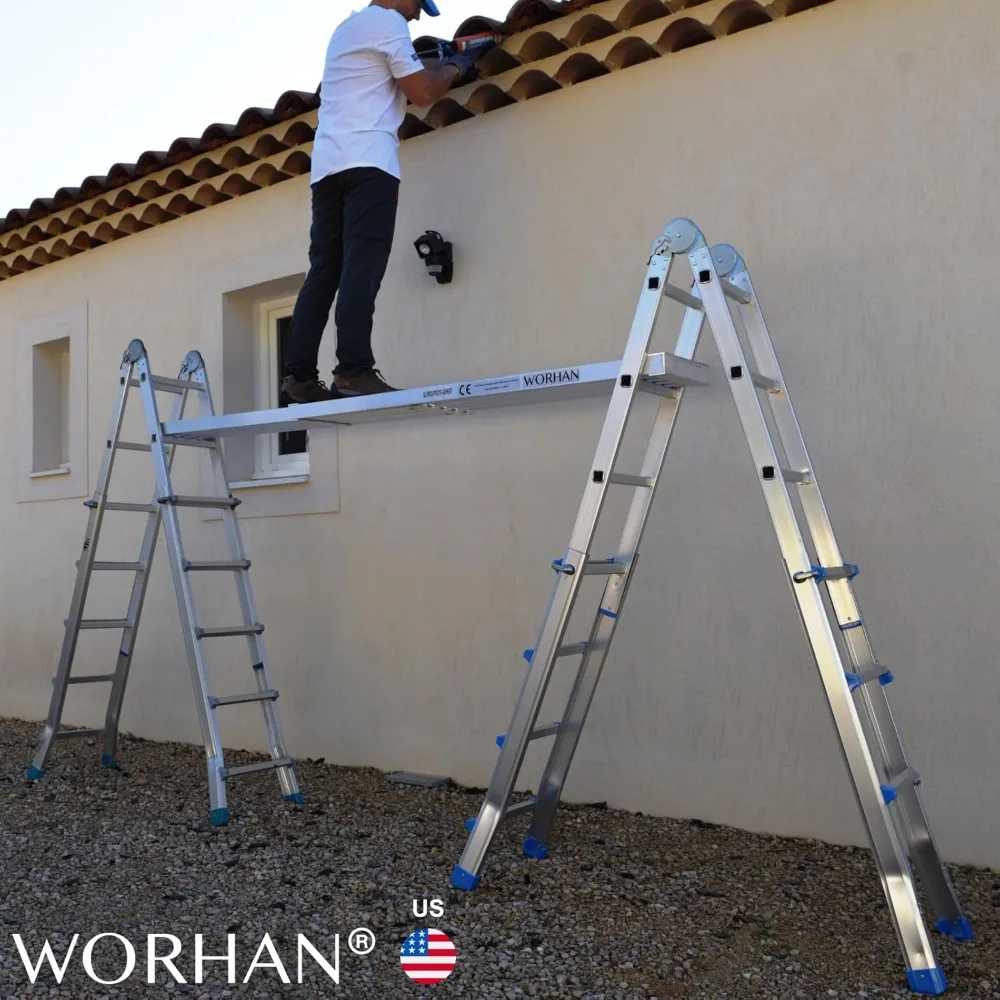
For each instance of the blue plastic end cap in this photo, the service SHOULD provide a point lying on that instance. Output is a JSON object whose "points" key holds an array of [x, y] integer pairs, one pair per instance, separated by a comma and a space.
{"points": [[853, 681], [109, 762], [34, 773], [528, 654], [219, 817], [297, 798], [930, 982], [462, 879], [852, 570], [501, 739], [889, 794], [960, 929], [470, 824], [535, 848], [886, 677]]}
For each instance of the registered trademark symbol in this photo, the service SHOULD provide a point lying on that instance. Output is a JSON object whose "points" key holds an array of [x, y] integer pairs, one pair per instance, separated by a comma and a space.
{"points": [[361, 941]]}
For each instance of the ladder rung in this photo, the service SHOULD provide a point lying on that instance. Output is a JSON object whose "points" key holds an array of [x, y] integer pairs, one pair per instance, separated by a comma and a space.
{"points": [[263, 765], [133, 446], [183, 501], [761, 381], [877, 673], [89, 679], [622, 479], [520, 807], [215, 633], [795, 476], [891, 789], [105, 623], [820, 573], [170, 384], [571, 649], [735, 292], [171, 439], [685, 298], [242, 699], [193, 566], [133, 566], [72, 734], [139, 508], [593, 567], [542, 731]]}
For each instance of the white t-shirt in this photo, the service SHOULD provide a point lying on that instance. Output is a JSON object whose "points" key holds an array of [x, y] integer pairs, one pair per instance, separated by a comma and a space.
{"points": [[361, 106]]}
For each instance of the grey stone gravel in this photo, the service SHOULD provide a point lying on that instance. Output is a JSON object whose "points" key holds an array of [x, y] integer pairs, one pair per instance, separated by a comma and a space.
{"points": [[628, 907]]}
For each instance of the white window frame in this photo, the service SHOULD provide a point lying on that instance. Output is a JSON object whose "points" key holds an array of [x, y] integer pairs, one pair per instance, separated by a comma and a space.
{"points": [[268, 464]]}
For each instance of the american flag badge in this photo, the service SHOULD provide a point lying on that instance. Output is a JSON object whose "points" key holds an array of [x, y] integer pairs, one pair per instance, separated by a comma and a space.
{"points": [[428, 956]]}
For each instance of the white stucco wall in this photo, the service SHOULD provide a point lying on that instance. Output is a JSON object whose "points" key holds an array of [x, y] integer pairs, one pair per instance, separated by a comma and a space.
{"points": [[849, 153]]}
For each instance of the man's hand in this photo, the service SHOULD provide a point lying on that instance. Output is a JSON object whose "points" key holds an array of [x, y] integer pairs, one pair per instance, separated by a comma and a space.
{"points": [[466, 63], [429, 85]]}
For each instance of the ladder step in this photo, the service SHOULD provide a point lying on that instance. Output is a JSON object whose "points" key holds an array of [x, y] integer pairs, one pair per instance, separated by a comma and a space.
{"points": [[520, 807], [735, 292], [215, 633], [570, 649], [133, 566], [878, 673], [625, 480], [891, 789], [193, 566], [104, 623], [89, 679], [820, 573], [183, 501], [761, 381], [172, 439], [684, 298], [804, 478], [133, 446], [263, 765], [139, 508], [242, 699], [535, 734], [593, 567], [73, 734], [170, 384]]}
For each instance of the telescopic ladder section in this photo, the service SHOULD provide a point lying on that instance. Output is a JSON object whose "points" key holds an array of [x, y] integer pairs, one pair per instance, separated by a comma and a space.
{"points": [[135, 372], [884, 782]]}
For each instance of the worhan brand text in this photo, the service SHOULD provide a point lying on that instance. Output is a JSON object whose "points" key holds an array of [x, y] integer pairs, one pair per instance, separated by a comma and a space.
{"points": [[553, 377], [119, 959]]}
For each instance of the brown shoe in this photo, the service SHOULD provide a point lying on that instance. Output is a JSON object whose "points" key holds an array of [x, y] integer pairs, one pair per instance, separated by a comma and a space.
{"points": [[308, 390], [361, 385]]}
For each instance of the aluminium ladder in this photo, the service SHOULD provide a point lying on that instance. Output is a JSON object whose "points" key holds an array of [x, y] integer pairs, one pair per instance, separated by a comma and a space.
{"points": [[135, 371], [883, 781]]}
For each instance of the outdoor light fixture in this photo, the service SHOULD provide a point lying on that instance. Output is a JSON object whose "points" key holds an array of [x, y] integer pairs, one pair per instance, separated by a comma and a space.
{"points": [[435, 251]]}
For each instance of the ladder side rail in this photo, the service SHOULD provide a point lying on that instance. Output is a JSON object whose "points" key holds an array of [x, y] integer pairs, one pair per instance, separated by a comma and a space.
{"points": [[91, 537], [136, 602], [185, 601], [873, 697], [894, 871], [194, 364], [570, 572], [613, 600]]}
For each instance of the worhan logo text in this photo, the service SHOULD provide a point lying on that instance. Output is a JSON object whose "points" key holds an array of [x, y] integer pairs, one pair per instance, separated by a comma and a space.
{"points": [[553, 377], [119, 953]]}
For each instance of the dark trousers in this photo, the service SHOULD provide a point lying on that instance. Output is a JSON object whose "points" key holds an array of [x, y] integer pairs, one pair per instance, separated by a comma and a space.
{"points": [[353, 221]]}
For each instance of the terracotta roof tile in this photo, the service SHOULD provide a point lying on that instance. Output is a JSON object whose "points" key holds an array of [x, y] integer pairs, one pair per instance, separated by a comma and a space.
{"points": [[549, 45]]}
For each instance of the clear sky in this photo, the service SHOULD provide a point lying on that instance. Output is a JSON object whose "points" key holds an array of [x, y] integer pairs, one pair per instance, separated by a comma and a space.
{"points": [[87, 86]]}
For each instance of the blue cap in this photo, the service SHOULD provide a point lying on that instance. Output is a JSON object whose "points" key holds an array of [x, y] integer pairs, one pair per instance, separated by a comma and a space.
{"points": [[431, 7]]}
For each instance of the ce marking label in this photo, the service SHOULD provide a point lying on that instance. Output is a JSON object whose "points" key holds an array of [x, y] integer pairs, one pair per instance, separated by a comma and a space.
{"points": [[465, 389]]}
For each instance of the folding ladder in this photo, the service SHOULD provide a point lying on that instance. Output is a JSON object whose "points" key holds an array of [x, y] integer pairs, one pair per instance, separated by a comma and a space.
{"points": [[883, 780], [135, 372]]}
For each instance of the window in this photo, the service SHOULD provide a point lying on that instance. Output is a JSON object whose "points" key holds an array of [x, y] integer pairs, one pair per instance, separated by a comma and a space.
{"points": [[52, 396], [286, 454]]}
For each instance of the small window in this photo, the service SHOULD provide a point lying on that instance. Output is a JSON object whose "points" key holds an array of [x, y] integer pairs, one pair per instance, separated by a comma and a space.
{"points": [[285, 454], [50, 403]]}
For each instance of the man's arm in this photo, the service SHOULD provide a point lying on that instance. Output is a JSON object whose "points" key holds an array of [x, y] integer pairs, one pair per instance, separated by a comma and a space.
{"points": [[426, 86]]}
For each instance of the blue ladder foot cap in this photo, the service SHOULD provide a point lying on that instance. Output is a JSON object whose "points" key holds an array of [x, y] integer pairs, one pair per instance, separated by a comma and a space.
{"points": [[34, 774], [107, 761], [297, 798], [219, 817], [960, 929], [461, 879], [470, 824], [535, 849], [930, 982]]}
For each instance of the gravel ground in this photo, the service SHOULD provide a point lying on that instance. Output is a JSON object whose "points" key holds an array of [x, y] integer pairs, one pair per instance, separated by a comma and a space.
{"points": [[628, 906]]}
